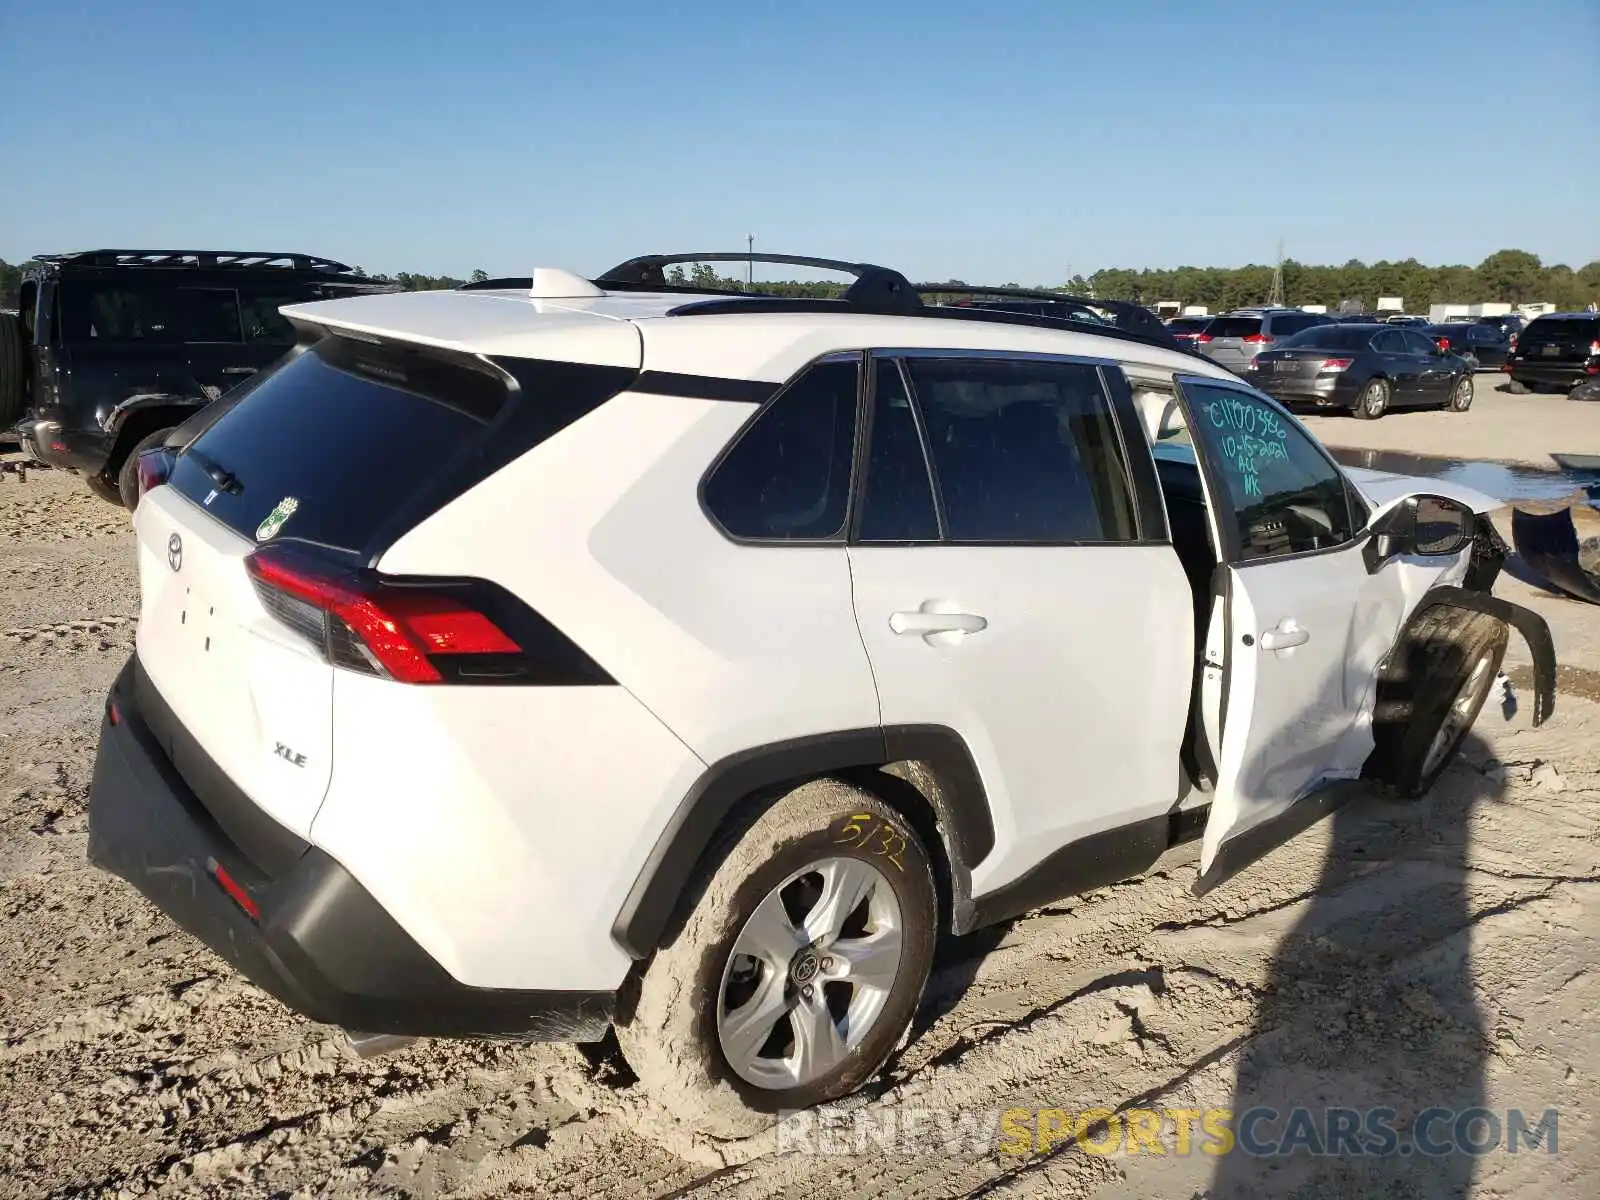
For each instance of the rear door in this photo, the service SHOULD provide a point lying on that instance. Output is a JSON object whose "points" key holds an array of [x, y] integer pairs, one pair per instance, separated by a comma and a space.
{"points": [[1402, 367], [1011, 593], [1224, 341], [1559, 341], [1290, 670], [320, 455]]}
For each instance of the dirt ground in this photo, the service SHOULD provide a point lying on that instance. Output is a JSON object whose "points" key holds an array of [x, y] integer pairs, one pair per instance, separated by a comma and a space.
{"points": [[1441, 953]]}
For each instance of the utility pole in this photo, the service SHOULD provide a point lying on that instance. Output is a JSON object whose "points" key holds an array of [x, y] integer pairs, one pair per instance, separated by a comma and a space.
{"points": [[1275, 300], [750, 262]]}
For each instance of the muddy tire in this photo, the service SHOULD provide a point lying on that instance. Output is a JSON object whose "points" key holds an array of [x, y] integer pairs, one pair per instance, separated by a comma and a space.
{"points": [[104, 488], [1461, 395], [795, 967], [13, 370], [1430, 695], [128, 473], [1374, 400]]}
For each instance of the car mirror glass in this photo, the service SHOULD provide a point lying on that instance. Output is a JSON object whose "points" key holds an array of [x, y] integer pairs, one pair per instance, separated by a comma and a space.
{"points": [[1441, 526]]}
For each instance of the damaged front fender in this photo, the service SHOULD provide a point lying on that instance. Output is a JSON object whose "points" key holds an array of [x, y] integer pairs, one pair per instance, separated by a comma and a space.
{"points": [[1548, 543], [1535, 632]]}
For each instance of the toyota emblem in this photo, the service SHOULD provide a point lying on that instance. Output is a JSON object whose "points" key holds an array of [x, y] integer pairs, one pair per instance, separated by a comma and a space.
{"points": [[175, 552]]}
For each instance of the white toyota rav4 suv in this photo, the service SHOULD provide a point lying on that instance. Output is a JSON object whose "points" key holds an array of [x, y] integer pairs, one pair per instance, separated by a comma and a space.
{"points": [[552, 655]]}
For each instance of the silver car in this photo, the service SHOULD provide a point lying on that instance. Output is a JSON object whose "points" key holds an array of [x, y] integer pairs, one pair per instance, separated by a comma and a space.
{"points": [[1234, 339]]}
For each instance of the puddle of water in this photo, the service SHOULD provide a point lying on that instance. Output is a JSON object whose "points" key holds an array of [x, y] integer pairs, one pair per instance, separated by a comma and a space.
{"points": [[1504, 481]]}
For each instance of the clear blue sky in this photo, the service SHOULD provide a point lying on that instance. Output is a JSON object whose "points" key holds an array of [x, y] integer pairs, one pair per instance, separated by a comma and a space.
{"points": [[991, 141]]}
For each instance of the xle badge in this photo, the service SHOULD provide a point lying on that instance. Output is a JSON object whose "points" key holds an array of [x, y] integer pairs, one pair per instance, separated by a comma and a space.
{"points": [[275, 519], [288, 755]]}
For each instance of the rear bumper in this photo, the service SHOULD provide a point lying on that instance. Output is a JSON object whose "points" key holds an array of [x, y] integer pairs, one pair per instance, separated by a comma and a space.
{"points": [[1567, 374], [320, 943], [66, 450]]}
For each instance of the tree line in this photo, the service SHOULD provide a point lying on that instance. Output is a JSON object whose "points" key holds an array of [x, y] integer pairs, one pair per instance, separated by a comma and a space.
{"points": [[1508, 276]]}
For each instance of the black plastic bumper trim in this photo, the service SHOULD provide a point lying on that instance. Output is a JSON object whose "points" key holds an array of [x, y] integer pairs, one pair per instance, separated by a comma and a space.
{"points": [[323, 946]]}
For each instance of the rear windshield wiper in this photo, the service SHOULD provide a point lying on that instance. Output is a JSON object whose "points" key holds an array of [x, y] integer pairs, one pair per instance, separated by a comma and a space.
{"points": [[221, 478]]}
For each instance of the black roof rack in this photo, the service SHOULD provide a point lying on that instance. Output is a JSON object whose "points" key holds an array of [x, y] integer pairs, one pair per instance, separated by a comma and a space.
{"points": [[197, 260], [876, 289], [1126, 315]]}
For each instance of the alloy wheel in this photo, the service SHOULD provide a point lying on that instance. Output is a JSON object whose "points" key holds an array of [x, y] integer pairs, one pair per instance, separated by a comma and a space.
{"points": [[809, 974]]}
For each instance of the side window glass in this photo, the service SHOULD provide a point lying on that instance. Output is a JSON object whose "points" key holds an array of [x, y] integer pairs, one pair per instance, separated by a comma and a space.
{"points": [[1286, 495], [212, 315], [1389, 341], [787, 476], [897, 499], [262, 321], [1417, 344], [1023, 451], [111, 314]]}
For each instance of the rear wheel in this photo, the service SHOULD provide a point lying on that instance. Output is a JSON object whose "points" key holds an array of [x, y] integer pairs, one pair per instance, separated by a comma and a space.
{"points": [[13, 369], [105, 488], [1374, 400], [1461, 394], [1517, 388], [128, 473], [796, 971]]}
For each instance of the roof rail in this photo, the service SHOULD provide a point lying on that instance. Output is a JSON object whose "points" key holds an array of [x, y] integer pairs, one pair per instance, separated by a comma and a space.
{"points": [[877, 289], [196, 259], [1126, 315]]}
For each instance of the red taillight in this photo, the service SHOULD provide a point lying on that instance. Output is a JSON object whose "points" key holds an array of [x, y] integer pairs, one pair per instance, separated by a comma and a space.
{"points": [[1256, 339], [1594, 347], [1335, 364], [387, 629], [235, 891], [154, 466], [1444, 343], [1202, 338]]}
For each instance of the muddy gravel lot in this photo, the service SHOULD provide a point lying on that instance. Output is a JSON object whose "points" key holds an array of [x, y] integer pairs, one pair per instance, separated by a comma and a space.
{"points": [[1438, 954]]}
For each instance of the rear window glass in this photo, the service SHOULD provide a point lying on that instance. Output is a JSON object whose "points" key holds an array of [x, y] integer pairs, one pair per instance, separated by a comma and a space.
{"points": [[344, 431], [1330, 337], [1287, 323], [1232, 327], [1561, 329], [1188, 324]]}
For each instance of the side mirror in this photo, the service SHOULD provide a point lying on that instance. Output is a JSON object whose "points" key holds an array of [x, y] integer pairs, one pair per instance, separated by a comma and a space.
{"points": [[1427, 526]]}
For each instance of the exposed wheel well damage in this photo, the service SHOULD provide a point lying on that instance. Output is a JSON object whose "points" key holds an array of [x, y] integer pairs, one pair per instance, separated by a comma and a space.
{"points": [[1449, 618]]}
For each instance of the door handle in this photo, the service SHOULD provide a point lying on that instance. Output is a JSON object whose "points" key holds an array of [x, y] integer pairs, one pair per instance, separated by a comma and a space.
{"points": [[1284, 635], [920, 623]]}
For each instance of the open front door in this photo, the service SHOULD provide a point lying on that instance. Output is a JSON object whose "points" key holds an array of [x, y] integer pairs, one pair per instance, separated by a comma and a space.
{"points": [[1300, 626]]}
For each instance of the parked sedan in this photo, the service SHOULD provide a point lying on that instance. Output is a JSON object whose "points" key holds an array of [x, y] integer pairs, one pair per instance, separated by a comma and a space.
{"points": [[1365, 368], [1469, 339]]}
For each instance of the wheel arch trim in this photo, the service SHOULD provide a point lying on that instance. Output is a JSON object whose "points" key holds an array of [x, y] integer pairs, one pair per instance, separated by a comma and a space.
{"points": [[943, 773]]}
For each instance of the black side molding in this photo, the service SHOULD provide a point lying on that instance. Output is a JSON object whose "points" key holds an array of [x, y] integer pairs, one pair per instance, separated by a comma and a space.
{"points": [[1255, 843], [950, 783], [1535, 632], [1096, 861]]}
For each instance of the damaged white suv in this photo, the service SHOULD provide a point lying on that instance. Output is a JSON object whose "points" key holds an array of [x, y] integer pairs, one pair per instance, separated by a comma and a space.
{"points": [[557, 654]]}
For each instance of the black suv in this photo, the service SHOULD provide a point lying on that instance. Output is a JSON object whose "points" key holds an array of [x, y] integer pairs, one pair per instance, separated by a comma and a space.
{"points": [[1558, 350], [111, 349]]}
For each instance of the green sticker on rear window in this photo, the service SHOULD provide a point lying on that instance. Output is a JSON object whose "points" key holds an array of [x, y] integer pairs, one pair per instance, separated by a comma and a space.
{"points": [[275, 519]]}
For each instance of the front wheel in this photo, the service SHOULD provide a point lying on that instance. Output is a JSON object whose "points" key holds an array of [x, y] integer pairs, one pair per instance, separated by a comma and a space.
{"points": [[1461, 394], [1374, 400], [1449, 667], [797, 969]]}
